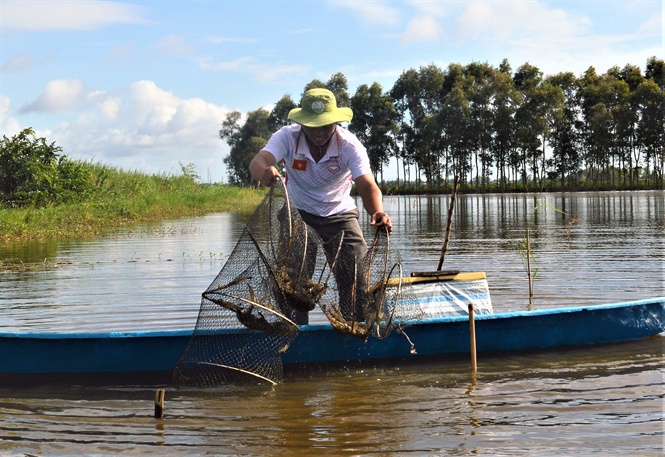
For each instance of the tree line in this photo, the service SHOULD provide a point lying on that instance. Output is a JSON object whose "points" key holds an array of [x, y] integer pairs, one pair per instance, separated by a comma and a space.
{"points": [[494, 128]]}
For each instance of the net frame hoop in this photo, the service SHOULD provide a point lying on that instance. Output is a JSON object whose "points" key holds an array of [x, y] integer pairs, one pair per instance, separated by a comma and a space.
{"points": [[389, 325], [228, 367], [257, 304]]}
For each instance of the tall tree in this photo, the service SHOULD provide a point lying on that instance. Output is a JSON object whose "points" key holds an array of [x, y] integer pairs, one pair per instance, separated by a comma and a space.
{"points": [[338, 85], [649, 101], [563, 137], [374, 123], [280, 113], [530, 120], [245, 141], [480, 91], [503, 106], [456, 120], [428, 139], [405, 94]]}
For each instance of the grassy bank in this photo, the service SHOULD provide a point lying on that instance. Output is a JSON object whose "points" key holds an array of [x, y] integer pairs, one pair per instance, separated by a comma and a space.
{"points": [[119, 198]]}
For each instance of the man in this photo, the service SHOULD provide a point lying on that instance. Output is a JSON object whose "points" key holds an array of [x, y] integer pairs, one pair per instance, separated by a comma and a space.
{"points": [[321, 160]]}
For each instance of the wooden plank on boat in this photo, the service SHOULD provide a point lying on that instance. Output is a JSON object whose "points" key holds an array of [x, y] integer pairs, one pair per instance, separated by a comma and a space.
{"points": [[435, 273]]}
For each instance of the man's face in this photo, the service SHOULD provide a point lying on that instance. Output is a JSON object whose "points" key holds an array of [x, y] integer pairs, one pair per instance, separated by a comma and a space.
{"points": [[319, 135]]}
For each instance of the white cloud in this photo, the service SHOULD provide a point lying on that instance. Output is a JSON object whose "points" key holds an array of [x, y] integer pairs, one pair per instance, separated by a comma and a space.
{"points": [[438, 9], [17, 62], [374, 12], [555, 36], [67, 15], [652, 26], [144, 127], [58, 95], [256, 70], [492, 22], [120, 55], [216, 39], [174, 46], [9, 126], [239, 64], [422, 29]]}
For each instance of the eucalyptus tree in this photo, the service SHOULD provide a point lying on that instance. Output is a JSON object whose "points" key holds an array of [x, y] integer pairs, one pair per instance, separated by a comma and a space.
{"points": [[405, 95], [504, 104], [429, 143], [599, 97], [480, 93], [655, 71], [651, 127], [337, 84], [456, 121], [245, 141], [530, 120], [649, 101], [552, 102], [313, 84], [374, 123], [624, 119], [563, 137], [279, 115], [452, 111]]}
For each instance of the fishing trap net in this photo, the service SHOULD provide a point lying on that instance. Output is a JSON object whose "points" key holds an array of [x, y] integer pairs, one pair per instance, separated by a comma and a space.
{"points": [[279, 270]]}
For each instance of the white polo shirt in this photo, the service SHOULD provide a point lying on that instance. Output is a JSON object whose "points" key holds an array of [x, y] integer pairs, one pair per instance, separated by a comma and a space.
{"points": [[321, 188]]}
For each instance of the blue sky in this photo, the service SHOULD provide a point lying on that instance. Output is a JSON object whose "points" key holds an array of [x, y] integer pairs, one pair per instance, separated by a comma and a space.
{"points": [[144, 85]]}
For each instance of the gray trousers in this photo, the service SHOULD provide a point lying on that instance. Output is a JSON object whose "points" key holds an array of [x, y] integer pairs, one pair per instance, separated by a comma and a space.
{"points": [[349, 269]]}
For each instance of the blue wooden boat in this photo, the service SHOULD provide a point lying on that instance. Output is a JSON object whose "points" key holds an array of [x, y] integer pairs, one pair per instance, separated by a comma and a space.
{"points": [[149, 357]]}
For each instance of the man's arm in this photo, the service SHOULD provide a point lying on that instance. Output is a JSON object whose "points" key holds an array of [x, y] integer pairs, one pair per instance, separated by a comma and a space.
{"points": [[373, 201], [262, 168]]}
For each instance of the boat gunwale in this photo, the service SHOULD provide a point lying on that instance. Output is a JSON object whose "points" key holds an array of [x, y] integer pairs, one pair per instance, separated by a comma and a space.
{"points": [[328, 327]]}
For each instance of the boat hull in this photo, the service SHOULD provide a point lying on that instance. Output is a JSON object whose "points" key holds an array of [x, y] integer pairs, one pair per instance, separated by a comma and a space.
{"points": [[149, 357]]}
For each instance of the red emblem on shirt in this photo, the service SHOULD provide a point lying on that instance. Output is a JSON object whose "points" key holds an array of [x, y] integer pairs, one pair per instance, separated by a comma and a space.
{"points": [[299, 164]]}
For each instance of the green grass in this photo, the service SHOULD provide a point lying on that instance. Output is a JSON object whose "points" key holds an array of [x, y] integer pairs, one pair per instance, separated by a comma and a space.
{"points": [[119, 198]]}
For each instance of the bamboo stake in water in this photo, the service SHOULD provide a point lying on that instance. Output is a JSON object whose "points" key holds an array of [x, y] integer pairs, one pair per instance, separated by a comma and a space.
{"points": [[472, 339], [451, 207], [528, 262], [159, 404]]}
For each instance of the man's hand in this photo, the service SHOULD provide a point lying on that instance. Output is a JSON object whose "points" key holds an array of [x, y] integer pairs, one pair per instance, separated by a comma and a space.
{"points": [[381, 219], [270, 176]]}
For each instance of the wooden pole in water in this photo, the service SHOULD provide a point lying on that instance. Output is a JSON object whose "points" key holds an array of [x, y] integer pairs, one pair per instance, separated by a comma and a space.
{"points": [[472, 339], [451, 207], [159, 403]]}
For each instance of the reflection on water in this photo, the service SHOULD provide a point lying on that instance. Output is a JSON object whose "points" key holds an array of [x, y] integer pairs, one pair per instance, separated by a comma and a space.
{"points": [[148, 277], [597, 247], [588, 248], [603, 401]]}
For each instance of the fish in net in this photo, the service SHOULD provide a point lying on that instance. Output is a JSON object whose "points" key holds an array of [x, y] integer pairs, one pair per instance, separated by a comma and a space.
{"points": [[246, 317]]}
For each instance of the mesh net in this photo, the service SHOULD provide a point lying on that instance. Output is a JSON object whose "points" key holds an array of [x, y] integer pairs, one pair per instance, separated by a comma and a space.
{"points": [[246, 318], [279, 270], [372, 298]]}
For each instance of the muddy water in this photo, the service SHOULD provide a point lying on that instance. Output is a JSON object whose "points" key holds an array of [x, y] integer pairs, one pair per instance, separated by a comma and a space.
{"points": [[587, 248]]}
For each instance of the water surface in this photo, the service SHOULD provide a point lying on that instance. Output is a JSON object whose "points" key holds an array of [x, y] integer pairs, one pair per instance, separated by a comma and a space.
{"points": [[589, 248]]}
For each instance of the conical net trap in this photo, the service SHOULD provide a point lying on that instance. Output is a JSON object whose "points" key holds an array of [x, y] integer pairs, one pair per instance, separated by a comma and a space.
{"points": [[280, 267]]}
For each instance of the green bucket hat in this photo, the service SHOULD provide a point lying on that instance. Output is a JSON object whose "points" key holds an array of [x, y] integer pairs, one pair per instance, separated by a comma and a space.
{"points": [[319, 108]]}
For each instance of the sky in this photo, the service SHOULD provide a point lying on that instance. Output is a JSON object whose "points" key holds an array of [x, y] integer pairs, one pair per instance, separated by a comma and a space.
{"points": [[145, 85]]}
